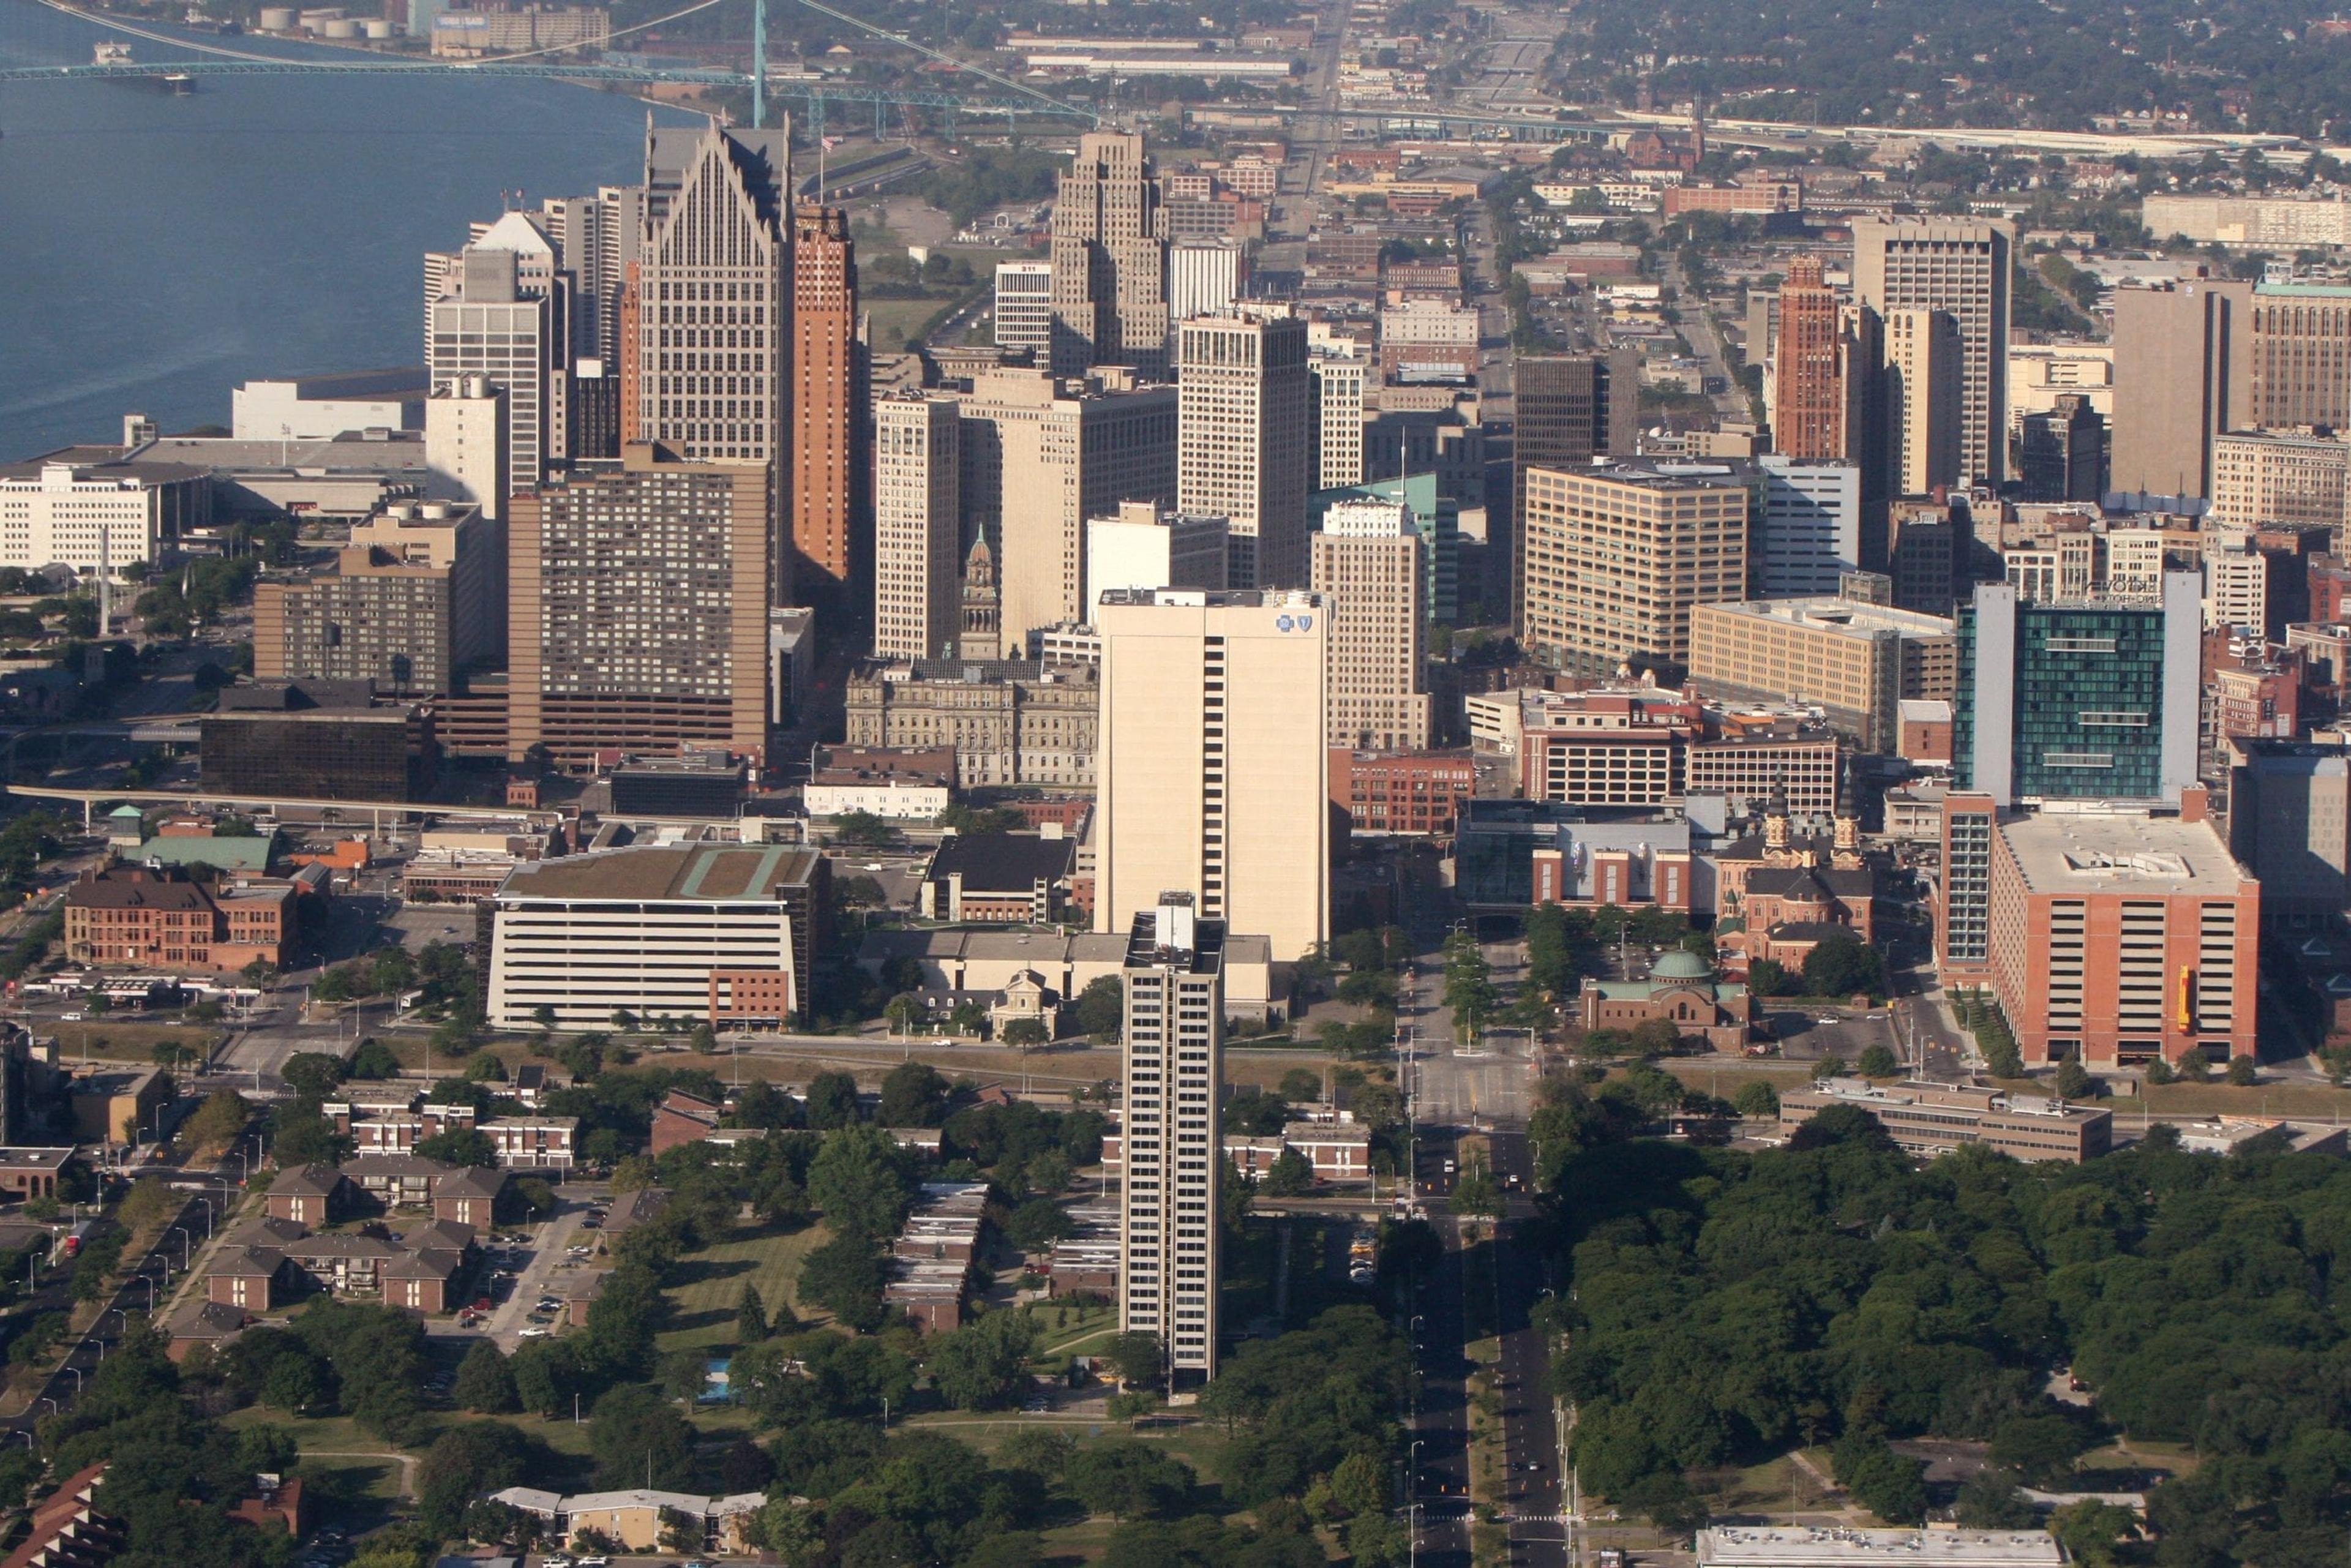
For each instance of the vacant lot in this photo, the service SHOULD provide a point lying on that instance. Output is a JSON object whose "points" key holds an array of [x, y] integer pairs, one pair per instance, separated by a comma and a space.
{"points": [[708, 1284]]}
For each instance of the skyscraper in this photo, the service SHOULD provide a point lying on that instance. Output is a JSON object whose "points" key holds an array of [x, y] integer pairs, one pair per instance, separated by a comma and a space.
{"points": [[1024, 308], [2301, 349], [1143, 547], [638, 609], [1808, 405], [828, 452], [596, 238], [1109, 259], [1961, 269], [2062, 455], [490, 320], [2080, 700], [1807, 532], [466, 436], [1243, 436], [917, 463], [1171, 1040], [1212, 773], [1338, 388], [708, 340], [1570, 408], [1368, 570], [1925, 401], [1203, 276], [2183, 373], [1040, 456], [1616, 557]]}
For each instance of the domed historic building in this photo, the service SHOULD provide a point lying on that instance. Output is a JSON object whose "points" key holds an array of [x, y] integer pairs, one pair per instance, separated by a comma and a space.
{"points": [[1682, 989]]}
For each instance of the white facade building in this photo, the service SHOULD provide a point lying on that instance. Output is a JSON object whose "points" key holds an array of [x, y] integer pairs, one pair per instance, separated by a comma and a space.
{"points": [[319, 408], [1024, 306], [1173, 1042], [1143, 547], [74, 517], [1202, 278], [465, 455], [662, 931], [917, 596], [1339, 382], [2236, 583], [1807, 525]]}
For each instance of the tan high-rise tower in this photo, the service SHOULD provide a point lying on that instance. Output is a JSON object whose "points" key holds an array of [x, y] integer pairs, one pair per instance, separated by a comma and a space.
{"points": [[1618, 557], [1925, 400], [1245, 439], [1961, 269], [1213, 778], [1109, 259], [917, 464], [1368, 568], [829, 451]]}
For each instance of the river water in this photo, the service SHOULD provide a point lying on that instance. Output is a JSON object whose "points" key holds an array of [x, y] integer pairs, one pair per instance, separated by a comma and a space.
{"points": [[155, 250]]}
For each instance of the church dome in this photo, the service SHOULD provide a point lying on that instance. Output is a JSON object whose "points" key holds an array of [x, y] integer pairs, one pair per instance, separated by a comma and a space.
{"points": [[1681, 964]]}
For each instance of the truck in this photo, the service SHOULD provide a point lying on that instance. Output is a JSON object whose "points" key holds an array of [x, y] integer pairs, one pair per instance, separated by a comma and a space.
{"points": [[71, 1246]]}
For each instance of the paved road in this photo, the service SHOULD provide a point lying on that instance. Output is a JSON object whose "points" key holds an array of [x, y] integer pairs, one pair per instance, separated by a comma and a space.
{"points": [[1538, 1537]]}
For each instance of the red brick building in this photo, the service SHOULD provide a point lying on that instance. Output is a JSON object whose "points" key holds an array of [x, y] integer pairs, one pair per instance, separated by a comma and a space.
{"points": [[1408, 793], [682, 1118], [158, 915]]}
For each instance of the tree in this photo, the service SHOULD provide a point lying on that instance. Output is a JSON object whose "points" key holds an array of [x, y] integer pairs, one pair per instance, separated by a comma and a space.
{"points": [[546, 1372], [1877, 1061], [639, 1439], [913, 1094], [862, 1181], [832, 1101], [1475, 1193], [862, 828], [845, 1277], [220, 1120], [2073, 1079], [1289, 1175], [486, 1384], [983, 1364], [1769, 977], [1840, 965], [1037, 1224], [2040, 1448], [750, 1315], [460, 1146], [2159, 1071], [1989, 1500], [1758, 1098], [1136, 1358], [374, 1059], [1025, 1034], [313, 1075], [2242, 1072], [1102, 1007], [1126, 1480]]}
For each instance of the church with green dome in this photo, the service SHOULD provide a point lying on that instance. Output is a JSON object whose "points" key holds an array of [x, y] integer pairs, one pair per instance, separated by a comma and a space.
{"points": [[1684, 990]]}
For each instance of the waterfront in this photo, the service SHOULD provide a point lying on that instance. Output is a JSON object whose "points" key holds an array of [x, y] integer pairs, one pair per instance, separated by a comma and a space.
{"points": [[158, 248]]}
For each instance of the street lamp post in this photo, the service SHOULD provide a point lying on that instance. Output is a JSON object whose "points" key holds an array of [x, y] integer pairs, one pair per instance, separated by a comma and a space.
{"points": [[182, 1232]]}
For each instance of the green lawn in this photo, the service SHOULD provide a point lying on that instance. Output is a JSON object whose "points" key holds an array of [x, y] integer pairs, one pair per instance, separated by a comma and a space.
{"points": [[709, 1283]]}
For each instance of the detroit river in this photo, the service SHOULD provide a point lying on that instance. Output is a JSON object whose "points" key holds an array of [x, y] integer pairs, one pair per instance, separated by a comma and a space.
{"points": [[155, 250]]}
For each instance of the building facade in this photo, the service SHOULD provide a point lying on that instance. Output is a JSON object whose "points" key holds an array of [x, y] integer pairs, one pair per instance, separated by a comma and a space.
{"points": [[1570, 409], [1109, 257], [917, 526], [2183, 374], [419, 594], [1243, 436], [1367, 567], [1214, 777], [638, 613], [1171, 1147], [1807, 525], [1024, 309], [1855, 662], [1614, 559], [1962, 270], [830, 433], [1926, 387], [1032, 724]]}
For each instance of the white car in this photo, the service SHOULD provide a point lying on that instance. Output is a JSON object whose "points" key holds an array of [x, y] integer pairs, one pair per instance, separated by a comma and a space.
{"points": [[534, 1334]]}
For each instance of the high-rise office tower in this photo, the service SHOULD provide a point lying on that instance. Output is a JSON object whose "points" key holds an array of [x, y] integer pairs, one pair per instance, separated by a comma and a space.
{"points": [[829, 403], [500, 316], [417, 596], [1024, 308], [638, 609], [1808, 525], [2062, 454], [2084, 700], [707, 342], [2301, 349], [465, 455], [1616, 558], [1570, 408], [1962, 270], [1211, 771], [596, 238], [1368, 570], [1203, 276], [917, 528], [1143, 547], [1925, 401], [1042, 455], [1109, 259], [2183, 373], [1338, 386], [1171, 1040], [2236, 583], [1808, 404], [1244, 448]]}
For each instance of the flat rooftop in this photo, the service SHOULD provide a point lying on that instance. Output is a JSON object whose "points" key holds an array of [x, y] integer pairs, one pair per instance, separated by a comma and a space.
{"points": [[1799, 1546], [682, 874], [1827, 613], [2084, 852]]}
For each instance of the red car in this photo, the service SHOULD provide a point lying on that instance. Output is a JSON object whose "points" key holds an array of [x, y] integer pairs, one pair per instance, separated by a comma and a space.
{"points": [[482, 1305]]}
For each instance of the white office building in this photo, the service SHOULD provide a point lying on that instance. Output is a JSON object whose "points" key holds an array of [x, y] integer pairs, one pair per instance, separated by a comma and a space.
{"points": [[1202, 278], [465, 457], [319, 408], [1143, 547], [1024, 306], [917, 583], [1807, 530], [1173, 1043], [704, 931]]}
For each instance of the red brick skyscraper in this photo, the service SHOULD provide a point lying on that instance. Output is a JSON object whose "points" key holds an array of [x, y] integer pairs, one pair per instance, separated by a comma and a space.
{"points": [[830, 449], [1808, 412]]}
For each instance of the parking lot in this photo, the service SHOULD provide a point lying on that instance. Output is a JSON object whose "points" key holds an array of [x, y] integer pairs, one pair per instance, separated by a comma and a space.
{"points": [[535, 1261], [1814, 1033]]}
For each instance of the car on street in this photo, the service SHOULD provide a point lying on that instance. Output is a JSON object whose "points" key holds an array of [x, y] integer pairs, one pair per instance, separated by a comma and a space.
{"points": [[534, 1334]]}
